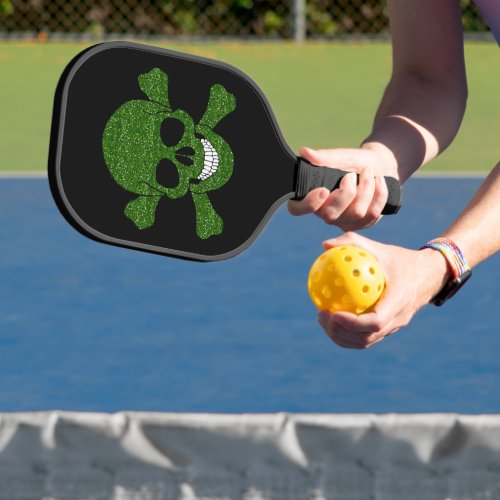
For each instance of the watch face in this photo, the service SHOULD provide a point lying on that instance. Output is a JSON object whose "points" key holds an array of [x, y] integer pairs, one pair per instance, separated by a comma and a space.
{"points": [[451, 288]]}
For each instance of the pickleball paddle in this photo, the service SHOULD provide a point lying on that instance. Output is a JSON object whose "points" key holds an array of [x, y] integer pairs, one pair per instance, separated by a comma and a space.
{"points": [[172, 153]]}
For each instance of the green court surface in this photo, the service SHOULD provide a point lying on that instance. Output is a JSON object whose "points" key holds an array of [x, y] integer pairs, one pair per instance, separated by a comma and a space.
{"points": [[323, 94]]}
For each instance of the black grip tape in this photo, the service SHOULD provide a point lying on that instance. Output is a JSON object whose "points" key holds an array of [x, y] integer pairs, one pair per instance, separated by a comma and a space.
{"points": [[309, 177]]}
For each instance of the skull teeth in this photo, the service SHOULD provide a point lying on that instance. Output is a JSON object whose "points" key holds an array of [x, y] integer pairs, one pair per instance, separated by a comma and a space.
{"points": [[210, 162]]}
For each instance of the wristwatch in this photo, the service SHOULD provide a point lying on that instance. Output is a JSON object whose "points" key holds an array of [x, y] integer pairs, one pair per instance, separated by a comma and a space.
{"points": [[460, 270]]}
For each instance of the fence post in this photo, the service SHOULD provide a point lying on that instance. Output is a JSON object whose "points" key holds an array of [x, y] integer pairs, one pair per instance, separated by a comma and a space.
{"points": [[299, 20]]}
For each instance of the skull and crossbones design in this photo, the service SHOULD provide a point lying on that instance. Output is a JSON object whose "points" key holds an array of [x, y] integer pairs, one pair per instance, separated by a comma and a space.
{"points": [[133, 150]]}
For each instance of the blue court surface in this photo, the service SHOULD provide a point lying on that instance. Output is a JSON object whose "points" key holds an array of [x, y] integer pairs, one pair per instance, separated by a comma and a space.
{"points": [[90, 327]]}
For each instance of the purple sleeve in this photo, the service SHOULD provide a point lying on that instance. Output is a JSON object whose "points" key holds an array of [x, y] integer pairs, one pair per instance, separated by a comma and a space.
{"points": [[490, 9]]}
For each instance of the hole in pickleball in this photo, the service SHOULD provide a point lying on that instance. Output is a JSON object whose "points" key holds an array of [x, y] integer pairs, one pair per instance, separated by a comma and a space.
{"points": [[317, 276], [348, 258], [166, 174], [171, 131], [362, 254], [379, 288], [327, 293], [372, 270], [339, 281], [366, 289], [356, 273]]}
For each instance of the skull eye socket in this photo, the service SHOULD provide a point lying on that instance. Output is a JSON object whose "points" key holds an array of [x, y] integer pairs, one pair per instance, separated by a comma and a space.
{"points": [[171, 131], [166, 174]]}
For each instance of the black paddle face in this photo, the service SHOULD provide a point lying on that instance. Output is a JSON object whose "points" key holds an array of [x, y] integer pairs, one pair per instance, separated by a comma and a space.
{"points": [[164, 152]]}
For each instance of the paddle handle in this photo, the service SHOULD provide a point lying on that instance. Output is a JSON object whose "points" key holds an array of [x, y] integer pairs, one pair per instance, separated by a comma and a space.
{"points": [[309, 177]]}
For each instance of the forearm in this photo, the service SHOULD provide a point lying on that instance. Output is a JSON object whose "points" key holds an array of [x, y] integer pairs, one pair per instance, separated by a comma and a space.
{"points": [[477, 230], [424, 103], [416, 120]]}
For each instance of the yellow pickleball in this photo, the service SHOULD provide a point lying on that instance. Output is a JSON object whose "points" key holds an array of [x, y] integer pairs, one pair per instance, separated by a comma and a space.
{"points": [[346, 278]]}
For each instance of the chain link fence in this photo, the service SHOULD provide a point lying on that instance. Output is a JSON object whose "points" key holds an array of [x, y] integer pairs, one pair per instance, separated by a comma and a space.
{"points": [[286, 19]]}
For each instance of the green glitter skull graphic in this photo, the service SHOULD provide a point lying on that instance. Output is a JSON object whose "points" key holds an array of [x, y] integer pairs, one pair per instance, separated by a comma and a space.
{"points": [[133, 149]]}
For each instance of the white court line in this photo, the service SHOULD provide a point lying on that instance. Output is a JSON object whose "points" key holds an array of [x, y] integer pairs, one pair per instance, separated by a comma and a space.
{"points": [[453, 174], [23, 174]]}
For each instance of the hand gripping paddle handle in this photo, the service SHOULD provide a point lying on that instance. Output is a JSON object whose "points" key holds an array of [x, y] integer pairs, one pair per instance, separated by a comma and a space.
{"points": [[309, 177]]}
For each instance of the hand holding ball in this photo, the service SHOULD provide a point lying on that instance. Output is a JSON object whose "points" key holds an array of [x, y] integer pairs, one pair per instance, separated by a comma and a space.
{"points": [[346, 278]]}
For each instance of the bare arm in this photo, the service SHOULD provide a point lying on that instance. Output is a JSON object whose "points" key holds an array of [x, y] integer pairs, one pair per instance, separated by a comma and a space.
{"points": [[477, 230], [418, 117], [424, 102]]}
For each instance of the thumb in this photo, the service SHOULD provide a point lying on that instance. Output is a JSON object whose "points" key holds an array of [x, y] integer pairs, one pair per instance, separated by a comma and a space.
{"points": [[349, 238], [377, 249], [338, 157]]}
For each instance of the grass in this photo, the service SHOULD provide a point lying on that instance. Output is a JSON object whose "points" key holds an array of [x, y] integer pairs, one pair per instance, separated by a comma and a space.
{"points": [[323, 94]]}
